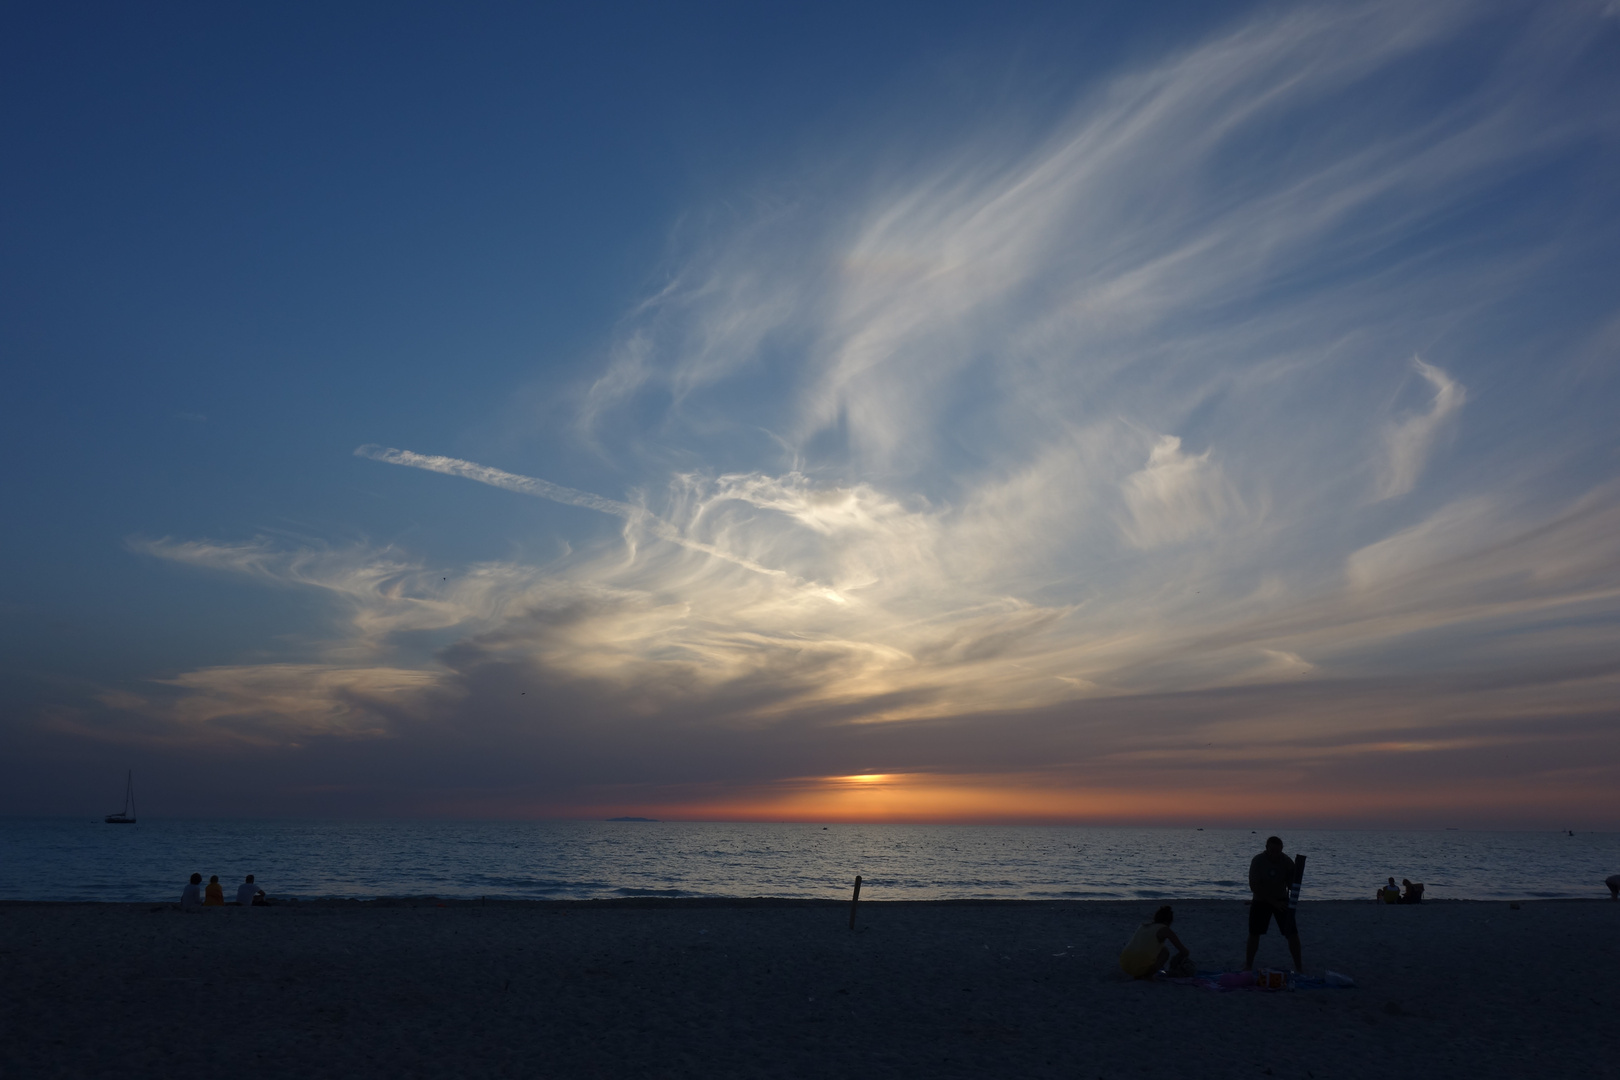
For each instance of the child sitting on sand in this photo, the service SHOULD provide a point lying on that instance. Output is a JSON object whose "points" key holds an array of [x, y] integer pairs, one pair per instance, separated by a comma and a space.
{"points": [[1146, 952], [214, 895]]}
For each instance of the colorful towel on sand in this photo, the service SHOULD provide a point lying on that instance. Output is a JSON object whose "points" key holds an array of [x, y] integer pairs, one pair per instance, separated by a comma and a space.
{"points": [[1222, 981]]}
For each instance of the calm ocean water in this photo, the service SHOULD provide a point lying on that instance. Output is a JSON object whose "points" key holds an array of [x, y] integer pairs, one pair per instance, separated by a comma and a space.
{"points": [[74, 859]]}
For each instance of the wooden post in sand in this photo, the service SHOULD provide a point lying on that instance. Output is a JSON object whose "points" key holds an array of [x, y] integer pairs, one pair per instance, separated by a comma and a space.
{"points": [[856, 899]]}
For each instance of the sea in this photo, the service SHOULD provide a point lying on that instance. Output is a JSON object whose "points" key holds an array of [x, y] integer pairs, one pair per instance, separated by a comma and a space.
{"points": [[76, 859]]}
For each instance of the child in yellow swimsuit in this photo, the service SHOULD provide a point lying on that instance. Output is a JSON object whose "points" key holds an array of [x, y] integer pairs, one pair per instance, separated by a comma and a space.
{"points": [[1147, 950]]}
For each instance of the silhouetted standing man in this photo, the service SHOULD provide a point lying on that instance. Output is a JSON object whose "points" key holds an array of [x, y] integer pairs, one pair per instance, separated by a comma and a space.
{"points": [[1270, 874]]}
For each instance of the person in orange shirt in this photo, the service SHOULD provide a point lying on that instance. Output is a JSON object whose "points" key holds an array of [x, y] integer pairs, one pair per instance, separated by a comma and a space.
{"points": [[214, 895]]}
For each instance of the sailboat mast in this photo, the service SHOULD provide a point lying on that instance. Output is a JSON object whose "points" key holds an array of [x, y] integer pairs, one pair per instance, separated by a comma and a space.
{"points": [[126, 816]]}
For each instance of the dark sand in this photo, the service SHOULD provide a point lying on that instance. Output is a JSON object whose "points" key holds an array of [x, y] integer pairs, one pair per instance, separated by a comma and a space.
{"points": [[783, 989]]}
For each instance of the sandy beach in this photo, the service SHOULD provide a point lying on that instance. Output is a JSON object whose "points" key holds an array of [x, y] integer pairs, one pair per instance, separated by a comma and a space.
{"points": [[407, 988]]}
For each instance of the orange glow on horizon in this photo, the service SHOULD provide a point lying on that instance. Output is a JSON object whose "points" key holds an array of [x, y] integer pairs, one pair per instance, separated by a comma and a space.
{"points": [[930, 798]]}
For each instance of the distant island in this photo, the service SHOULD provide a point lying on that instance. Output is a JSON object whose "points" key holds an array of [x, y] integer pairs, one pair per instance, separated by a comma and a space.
{"points": [[632, 819]]}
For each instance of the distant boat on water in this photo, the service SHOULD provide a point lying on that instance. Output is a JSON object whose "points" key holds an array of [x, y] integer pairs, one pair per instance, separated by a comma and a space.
{"points": [[127, 815]]}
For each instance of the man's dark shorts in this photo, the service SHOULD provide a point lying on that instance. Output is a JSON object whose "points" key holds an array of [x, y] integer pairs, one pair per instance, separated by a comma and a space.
{"points": [[1260, 914]]}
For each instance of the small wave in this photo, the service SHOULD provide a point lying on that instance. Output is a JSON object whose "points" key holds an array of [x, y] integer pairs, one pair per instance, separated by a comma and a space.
{"points": [[653, 892], [523, 884]]}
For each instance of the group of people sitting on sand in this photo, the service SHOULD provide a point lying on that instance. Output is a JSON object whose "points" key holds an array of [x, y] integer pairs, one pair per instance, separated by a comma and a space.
{"points": [[1392, 894], [194, 895]]}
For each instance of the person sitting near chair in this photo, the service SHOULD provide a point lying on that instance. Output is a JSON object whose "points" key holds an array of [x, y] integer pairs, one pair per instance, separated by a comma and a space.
{"points": [[247, 893], [214, 895], [1391, 893], [1149, 948], [1413, 893], [191, 895]]}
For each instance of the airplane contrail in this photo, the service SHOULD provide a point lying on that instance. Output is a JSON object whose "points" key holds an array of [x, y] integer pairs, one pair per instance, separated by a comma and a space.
{"points": [[545, 489], [484, 474]]}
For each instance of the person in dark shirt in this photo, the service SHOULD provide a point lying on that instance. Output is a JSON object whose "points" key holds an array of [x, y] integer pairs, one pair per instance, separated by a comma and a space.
{"points": [[1413, 893], [1270, 874]]}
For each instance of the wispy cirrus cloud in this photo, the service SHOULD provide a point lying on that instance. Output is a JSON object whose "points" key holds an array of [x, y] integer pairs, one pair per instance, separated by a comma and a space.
{"points": [[1073, 438], [1177, 495], [1408, 441], [279, 704], [380, 593]]}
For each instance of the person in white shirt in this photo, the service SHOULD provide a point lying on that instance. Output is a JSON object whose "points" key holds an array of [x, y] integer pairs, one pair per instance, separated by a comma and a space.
{"points": [[247, 892], [191, 895]]}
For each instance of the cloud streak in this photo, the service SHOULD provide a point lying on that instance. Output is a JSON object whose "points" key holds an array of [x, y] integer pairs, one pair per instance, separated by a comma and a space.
{"points": [[483, 474]]}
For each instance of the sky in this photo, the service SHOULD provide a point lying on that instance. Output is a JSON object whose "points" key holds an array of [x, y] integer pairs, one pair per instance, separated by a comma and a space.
{"points": [[1109, 413]]}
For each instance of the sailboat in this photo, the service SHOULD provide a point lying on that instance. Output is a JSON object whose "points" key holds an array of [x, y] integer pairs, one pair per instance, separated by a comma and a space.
{"points": [[127, 815]]}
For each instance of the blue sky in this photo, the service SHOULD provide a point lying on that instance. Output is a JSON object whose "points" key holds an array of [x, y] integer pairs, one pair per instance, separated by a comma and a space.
{"points": [[929, 412]]}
